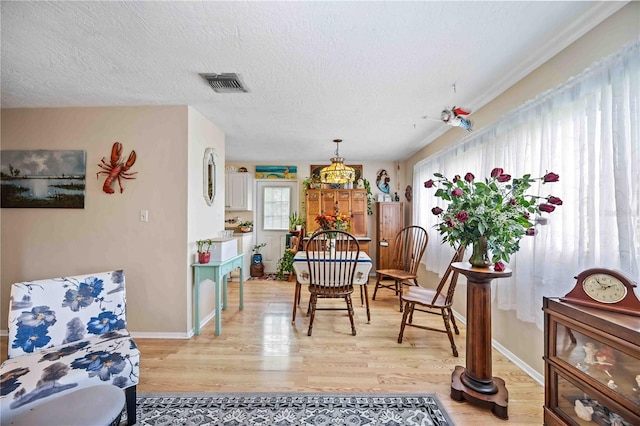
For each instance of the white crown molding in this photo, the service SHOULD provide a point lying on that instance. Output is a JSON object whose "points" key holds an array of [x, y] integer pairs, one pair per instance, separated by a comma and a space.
{"points": [[537, 57], [555, 45]]}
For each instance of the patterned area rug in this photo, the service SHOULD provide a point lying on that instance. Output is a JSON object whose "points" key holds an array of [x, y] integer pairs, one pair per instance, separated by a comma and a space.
{"points": [[290, 409], [268, 277]]}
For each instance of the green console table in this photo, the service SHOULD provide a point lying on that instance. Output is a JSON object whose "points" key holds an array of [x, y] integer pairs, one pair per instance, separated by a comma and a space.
{"points": [[217, 272]]}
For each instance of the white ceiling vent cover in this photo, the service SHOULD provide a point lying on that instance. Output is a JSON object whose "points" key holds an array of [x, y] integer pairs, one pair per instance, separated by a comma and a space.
{"points": [[225, 83]]}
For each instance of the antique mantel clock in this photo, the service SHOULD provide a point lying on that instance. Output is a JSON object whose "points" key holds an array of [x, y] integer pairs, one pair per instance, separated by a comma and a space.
{"points": [[604, 289]]}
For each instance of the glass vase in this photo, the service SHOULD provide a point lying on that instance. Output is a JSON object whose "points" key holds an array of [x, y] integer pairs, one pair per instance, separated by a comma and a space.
{"points": [[331, 246], [480, 256]]}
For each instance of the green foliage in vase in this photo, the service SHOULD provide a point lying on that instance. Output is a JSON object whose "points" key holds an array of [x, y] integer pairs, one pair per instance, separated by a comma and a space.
{"points": [[311, 182], [294, 220], [256, 249], [497, 208]]}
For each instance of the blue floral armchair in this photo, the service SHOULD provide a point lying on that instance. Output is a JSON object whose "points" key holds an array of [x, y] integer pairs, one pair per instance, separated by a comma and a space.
{"points": [[66, 334]]}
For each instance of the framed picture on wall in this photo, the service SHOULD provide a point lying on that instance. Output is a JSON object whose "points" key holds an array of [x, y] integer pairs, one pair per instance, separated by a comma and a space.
{"points": [[43, 179], [276, 172]]}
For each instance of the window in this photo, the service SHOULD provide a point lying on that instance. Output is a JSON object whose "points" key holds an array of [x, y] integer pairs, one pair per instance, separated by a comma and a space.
{"points": [[588, 132], [276, 208]]}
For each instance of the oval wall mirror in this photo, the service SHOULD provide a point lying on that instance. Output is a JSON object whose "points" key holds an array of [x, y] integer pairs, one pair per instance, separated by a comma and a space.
{"points": [[209, 175]]}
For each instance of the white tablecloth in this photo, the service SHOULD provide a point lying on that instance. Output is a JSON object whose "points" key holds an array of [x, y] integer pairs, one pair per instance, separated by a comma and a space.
{"points": [[302, 269]]}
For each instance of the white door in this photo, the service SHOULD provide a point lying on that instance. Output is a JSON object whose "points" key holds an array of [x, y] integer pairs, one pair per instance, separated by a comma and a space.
{"points": [[275, 202]]}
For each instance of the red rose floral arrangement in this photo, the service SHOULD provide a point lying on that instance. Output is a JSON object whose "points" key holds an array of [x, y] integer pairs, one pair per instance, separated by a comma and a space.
{"points": [[495, 213]]}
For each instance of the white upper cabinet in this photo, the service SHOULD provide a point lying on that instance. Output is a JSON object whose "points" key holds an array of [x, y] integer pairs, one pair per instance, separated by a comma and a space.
{"points": [[238, 191]]}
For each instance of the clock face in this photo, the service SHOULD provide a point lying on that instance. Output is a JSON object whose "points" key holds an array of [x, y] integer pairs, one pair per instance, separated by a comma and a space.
{"points": [[604, 288]]}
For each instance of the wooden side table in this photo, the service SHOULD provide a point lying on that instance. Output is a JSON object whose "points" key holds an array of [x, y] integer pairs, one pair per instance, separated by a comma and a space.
{"points": [[475, 383]]}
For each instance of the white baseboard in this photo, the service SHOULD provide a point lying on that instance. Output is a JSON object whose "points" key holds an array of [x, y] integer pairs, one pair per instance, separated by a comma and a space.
{"points": [[161, 335], [539, 378]]}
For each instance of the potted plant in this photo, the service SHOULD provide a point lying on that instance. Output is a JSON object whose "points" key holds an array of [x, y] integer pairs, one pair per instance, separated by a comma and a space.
{"points": [[311, 182], [204, 253], [295, 221], [257, 256], [246, 226], [285, 264]]}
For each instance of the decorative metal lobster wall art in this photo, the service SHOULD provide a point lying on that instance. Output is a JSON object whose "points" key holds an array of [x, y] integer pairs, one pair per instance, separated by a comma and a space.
{"points": [[116, 168]]}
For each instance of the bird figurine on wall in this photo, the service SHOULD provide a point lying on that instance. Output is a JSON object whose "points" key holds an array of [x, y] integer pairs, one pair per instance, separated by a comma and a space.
{"points": [[452, 117]]}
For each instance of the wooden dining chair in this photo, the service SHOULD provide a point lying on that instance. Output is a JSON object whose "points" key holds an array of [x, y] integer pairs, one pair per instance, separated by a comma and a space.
{"points": [[320, 244], [437, 302], [293, 248], [331, 272], [409, 246]]}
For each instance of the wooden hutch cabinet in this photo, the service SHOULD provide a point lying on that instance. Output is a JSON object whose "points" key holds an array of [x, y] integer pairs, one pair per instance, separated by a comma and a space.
{"points": [[352, 202], [592, 366], [390, 220], [359, 212]]}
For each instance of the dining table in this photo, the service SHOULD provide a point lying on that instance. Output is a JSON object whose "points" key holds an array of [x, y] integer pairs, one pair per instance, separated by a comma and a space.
{"points": [[361, 276]]}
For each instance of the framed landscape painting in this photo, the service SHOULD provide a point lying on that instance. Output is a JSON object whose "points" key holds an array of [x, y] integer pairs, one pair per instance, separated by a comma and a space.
{"points": [[276, 172], [42, 179]]}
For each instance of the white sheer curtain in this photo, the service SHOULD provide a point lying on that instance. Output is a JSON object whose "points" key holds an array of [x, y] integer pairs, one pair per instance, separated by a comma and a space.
{"points": [[587, 131]]}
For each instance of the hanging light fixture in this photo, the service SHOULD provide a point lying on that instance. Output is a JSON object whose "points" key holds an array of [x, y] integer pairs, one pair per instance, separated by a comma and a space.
{"points": [[337, 172]]}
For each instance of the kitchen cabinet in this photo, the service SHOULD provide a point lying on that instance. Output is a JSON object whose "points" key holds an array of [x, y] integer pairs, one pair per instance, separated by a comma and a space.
{"points": [[238, 191], [389, 221], [592, 365], [348, 201]]}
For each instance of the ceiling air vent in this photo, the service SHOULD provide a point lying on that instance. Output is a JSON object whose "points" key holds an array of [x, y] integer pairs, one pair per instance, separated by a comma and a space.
{"points": [[225, 83]]}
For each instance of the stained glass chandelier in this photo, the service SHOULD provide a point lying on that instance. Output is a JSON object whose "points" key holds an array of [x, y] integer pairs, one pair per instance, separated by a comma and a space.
{"points": [[337, 172]]}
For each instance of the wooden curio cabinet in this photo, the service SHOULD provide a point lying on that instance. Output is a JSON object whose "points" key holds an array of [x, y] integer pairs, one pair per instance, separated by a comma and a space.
{"points": [[352, 202], [390, 220], [592, 366], [328, 202], [313, 208], [359, 212]]}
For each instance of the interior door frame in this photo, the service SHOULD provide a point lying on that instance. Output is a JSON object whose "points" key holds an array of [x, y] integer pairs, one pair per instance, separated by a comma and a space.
{"points": [[276, 240]]}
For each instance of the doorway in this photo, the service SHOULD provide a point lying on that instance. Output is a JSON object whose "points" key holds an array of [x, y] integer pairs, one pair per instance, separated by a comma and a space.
{"points": [[275, 200]]}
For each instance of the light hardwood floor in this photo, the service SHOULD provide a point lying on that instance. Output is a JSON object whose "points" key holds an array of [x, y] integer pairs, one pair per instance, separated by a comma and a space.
{"points": [[259, 350]]}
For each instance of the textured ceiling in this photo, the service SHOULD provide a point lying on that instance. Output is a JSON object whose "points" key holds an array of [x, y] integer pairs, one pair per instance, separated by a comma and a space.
{"points": [[366, 72]]}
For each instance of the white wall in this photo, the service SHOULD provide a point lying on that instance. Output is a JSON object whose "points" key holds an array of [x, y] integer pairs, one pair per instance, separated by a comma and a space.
{"points": [[107, 234]]}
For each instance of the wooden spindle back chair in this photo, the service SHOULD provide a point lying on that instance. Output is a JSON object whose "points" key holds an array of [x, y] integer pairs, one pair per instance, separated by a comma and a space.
{"points": [[293, 248], [331, 272], [409, 247], [436, 302]]}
